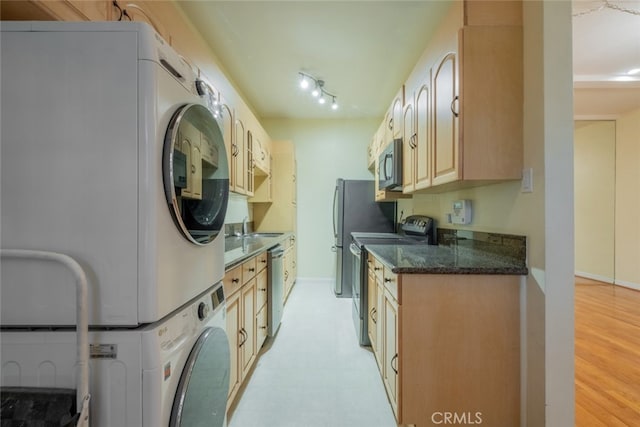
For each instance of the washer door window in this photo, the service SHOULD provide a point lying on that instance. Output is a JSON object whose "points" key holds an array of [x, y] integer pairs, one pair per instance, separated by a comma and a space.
{"points": [[196, 173], [201, 398]]}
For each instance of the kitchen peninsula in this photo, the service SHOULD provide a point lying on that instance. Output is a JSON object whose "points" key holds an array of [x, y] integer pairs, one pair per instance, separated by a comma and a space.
{"points": [[444, 323]]}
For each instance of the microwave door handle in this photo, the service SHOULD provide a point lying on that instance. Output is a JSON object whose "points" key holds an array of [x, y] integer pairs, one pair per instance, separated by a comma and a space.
{"points": [[386, 157]]}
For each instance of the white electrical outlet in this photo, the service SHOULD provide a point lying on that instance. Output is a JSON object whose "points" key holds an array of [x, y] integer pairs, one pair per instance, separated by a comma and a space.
{"points": [[527, 180]]}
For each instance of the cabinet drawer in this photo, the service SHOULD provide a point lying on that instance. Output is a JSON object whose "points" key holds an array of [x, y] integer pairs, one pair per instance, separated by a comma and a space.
{"points": [[261, 327], [378, 269], [248, 270], [261, 261], [391, 282], [261, 289], [232, 281]]}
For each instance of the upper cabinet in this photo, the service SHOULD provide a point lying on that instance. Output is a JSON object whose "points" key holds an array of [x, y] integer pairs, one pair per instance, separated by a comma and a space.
{"points": [[464, 109], [280, 214]]}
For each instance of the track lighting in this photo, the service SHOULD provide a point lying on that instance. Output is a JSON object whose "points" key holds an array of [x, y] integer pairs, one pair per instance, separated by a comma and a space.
{"points": [[318, 91]]}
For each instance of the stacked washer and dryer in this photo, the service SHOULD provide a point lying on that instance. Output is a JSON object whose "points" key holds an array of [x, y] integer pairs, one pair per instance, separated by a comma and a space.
{"points": [[110, 156]]}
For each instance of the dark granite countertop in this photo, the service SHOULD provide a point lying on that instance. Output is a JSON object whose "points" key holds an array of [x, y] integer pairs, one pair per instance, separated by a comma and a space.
{"points": [[428, 259], [240, 248]]}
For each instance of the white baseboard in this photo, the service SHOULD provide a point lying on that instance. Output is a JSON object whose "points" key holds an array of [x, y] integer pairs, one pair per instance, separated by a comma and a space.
{"points": [[597, 277], [629, 285], [626, 284]]}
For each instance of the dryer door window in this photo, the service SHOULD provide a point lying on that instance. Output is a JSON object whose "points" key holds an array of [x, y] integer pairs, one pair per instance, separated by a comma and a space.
{"points": [[196, 173], [201, 397]]}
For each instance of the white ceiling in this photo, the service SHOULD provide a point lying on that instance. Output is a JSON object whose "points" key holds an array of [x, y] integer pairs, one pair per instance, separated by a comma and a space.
{"points": [[364, 50]]}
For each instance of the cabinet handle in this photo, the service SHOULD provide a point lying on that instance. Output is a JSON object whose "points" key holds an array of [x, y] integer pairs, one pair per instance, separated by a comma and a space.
{"points": [[387, 280], [264, 261], [240, 331], [455, 113], [262, 327], [251, 270], [391, 123], [262, 289], [235, 280], [377, 268], [413, 140], [393, 367]]}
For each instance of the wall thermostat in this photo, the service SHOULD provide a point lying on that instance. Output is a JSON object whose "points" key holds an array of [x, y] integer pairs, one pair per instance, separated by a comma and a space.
{"points": [[461, 212]]}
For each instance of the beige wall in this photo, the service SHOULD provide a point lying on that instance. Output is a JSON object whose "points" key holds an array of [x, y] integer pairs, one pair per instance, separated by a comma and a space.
{"points": [[594, 172], [325, 151], [627, 245]]}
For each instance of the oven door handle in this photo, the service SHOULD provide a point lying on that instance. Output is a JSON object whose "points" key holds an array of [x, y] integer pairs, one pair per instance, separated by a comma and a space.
{"points": [[355, 249]]}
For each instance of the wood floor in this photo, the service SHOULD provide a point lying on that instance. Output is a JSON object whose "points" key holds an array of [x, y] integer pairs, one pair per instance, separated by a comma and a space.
{"points": [[607, 354]]}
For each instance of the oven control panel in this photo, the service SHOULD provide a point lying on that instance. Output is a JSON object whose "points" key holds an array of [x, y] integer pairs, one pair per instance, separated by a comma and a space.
{"points": [[418, 225]]}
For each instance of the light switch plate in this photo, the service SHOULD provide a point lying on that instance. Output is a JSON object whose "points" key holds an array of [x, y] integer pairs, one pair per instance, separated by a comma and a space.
{"points": [[527, 180]]}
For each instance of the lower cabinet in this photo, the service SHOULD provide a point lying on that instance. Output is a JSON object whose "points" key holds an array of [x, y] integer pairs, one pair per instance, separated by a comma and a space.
{"points": [[246, 297], [290, 267], [447, 343]]}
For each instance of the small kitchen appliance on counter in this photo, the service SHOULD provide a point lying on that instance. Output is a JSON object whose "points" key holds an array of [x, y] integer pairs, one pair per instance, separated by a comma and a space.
{"points": [[416, 230]]}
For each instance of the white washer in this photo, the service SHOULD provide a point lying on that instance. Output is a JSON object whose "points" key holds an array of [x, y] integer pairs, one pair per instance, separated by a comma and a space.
{"points": [[103, 135], [171, 373]]}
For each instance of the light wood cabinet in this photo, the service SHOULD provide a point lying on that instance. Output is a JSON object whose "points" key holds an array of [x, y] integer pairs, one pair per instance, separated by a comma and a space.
{"points": [[239, 160], [408, 148], [374, 313], [423, 134], [390, 348], [245, 288], [476, 115], [448, 341], [281, 214], [263, 185], [59, 10], [261, 308], [290, 265], [446, 149]]}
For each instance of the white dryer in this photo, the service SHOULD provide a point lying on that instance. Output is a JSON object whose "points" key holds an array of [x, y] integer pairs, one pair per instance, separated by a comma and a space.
{"points": [[171, 373], [109, 156]]}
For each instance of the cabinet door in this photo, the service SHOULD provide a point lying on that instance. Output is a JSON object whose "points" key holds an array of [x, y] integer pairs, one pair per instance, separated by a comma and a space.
{"points": [[391, 368], [261, 289], [371, 304], [235, 338], [396, 115], [422, 143], [446, 151], [229, 144], [240, 168], [250, 165], [408, 149], [380, 319], [261, 328], [248, 330]]}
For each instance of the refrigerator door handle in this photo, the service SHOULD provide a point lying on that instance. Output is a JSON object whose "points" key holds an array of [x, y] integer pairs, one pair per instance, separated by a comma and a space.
{"points": [[335, 200]]}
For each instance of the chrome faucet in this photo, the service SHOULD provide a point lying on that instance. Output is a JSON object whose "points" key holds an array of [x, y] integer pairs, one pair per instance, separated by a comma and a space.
{"points": [[244, 225]]}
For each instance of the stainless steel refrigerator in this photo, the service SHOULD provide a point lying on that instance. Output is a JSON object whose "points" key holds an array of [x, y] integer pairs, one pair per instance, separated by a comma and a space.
{"points": [[354, 209]]}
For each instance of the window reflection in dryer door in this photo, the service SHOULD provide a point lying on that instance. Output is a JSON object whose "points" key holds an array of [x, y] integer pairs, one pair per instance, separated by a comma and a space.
{"points": [[196, 173]]}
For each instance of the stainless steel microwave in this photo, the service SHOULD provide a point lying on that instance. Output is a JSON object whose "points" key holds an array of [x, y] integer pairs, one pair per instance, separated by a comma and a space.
{"points": [[390, 167]]}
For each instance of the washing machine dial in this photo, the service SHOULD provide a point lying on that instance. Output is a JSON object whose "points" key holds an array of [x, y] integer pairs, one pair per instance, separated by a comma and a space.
{"points": [[203, 311]]}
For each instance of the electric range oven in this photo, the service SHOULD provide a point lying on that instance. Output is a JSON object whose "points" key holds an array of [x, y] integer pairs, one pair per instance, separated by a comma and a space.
{"points": [[416, 230]]}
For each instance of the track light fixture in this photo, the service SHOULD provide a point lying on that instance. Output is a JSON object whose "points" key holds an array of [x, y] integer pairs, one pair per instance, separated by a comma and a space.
{"points": [[318, 91]]}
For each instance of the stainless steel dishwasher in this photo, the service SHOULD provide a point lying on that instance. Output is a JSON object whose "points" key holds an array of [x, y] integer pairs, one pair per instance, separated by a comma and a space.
{"points": [[275, 286]]}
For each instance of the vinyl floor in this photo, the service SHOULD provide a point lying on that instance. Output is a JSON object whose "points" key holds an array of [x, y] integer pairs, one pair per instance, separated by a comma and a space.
{"points": [[314, 373]]}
